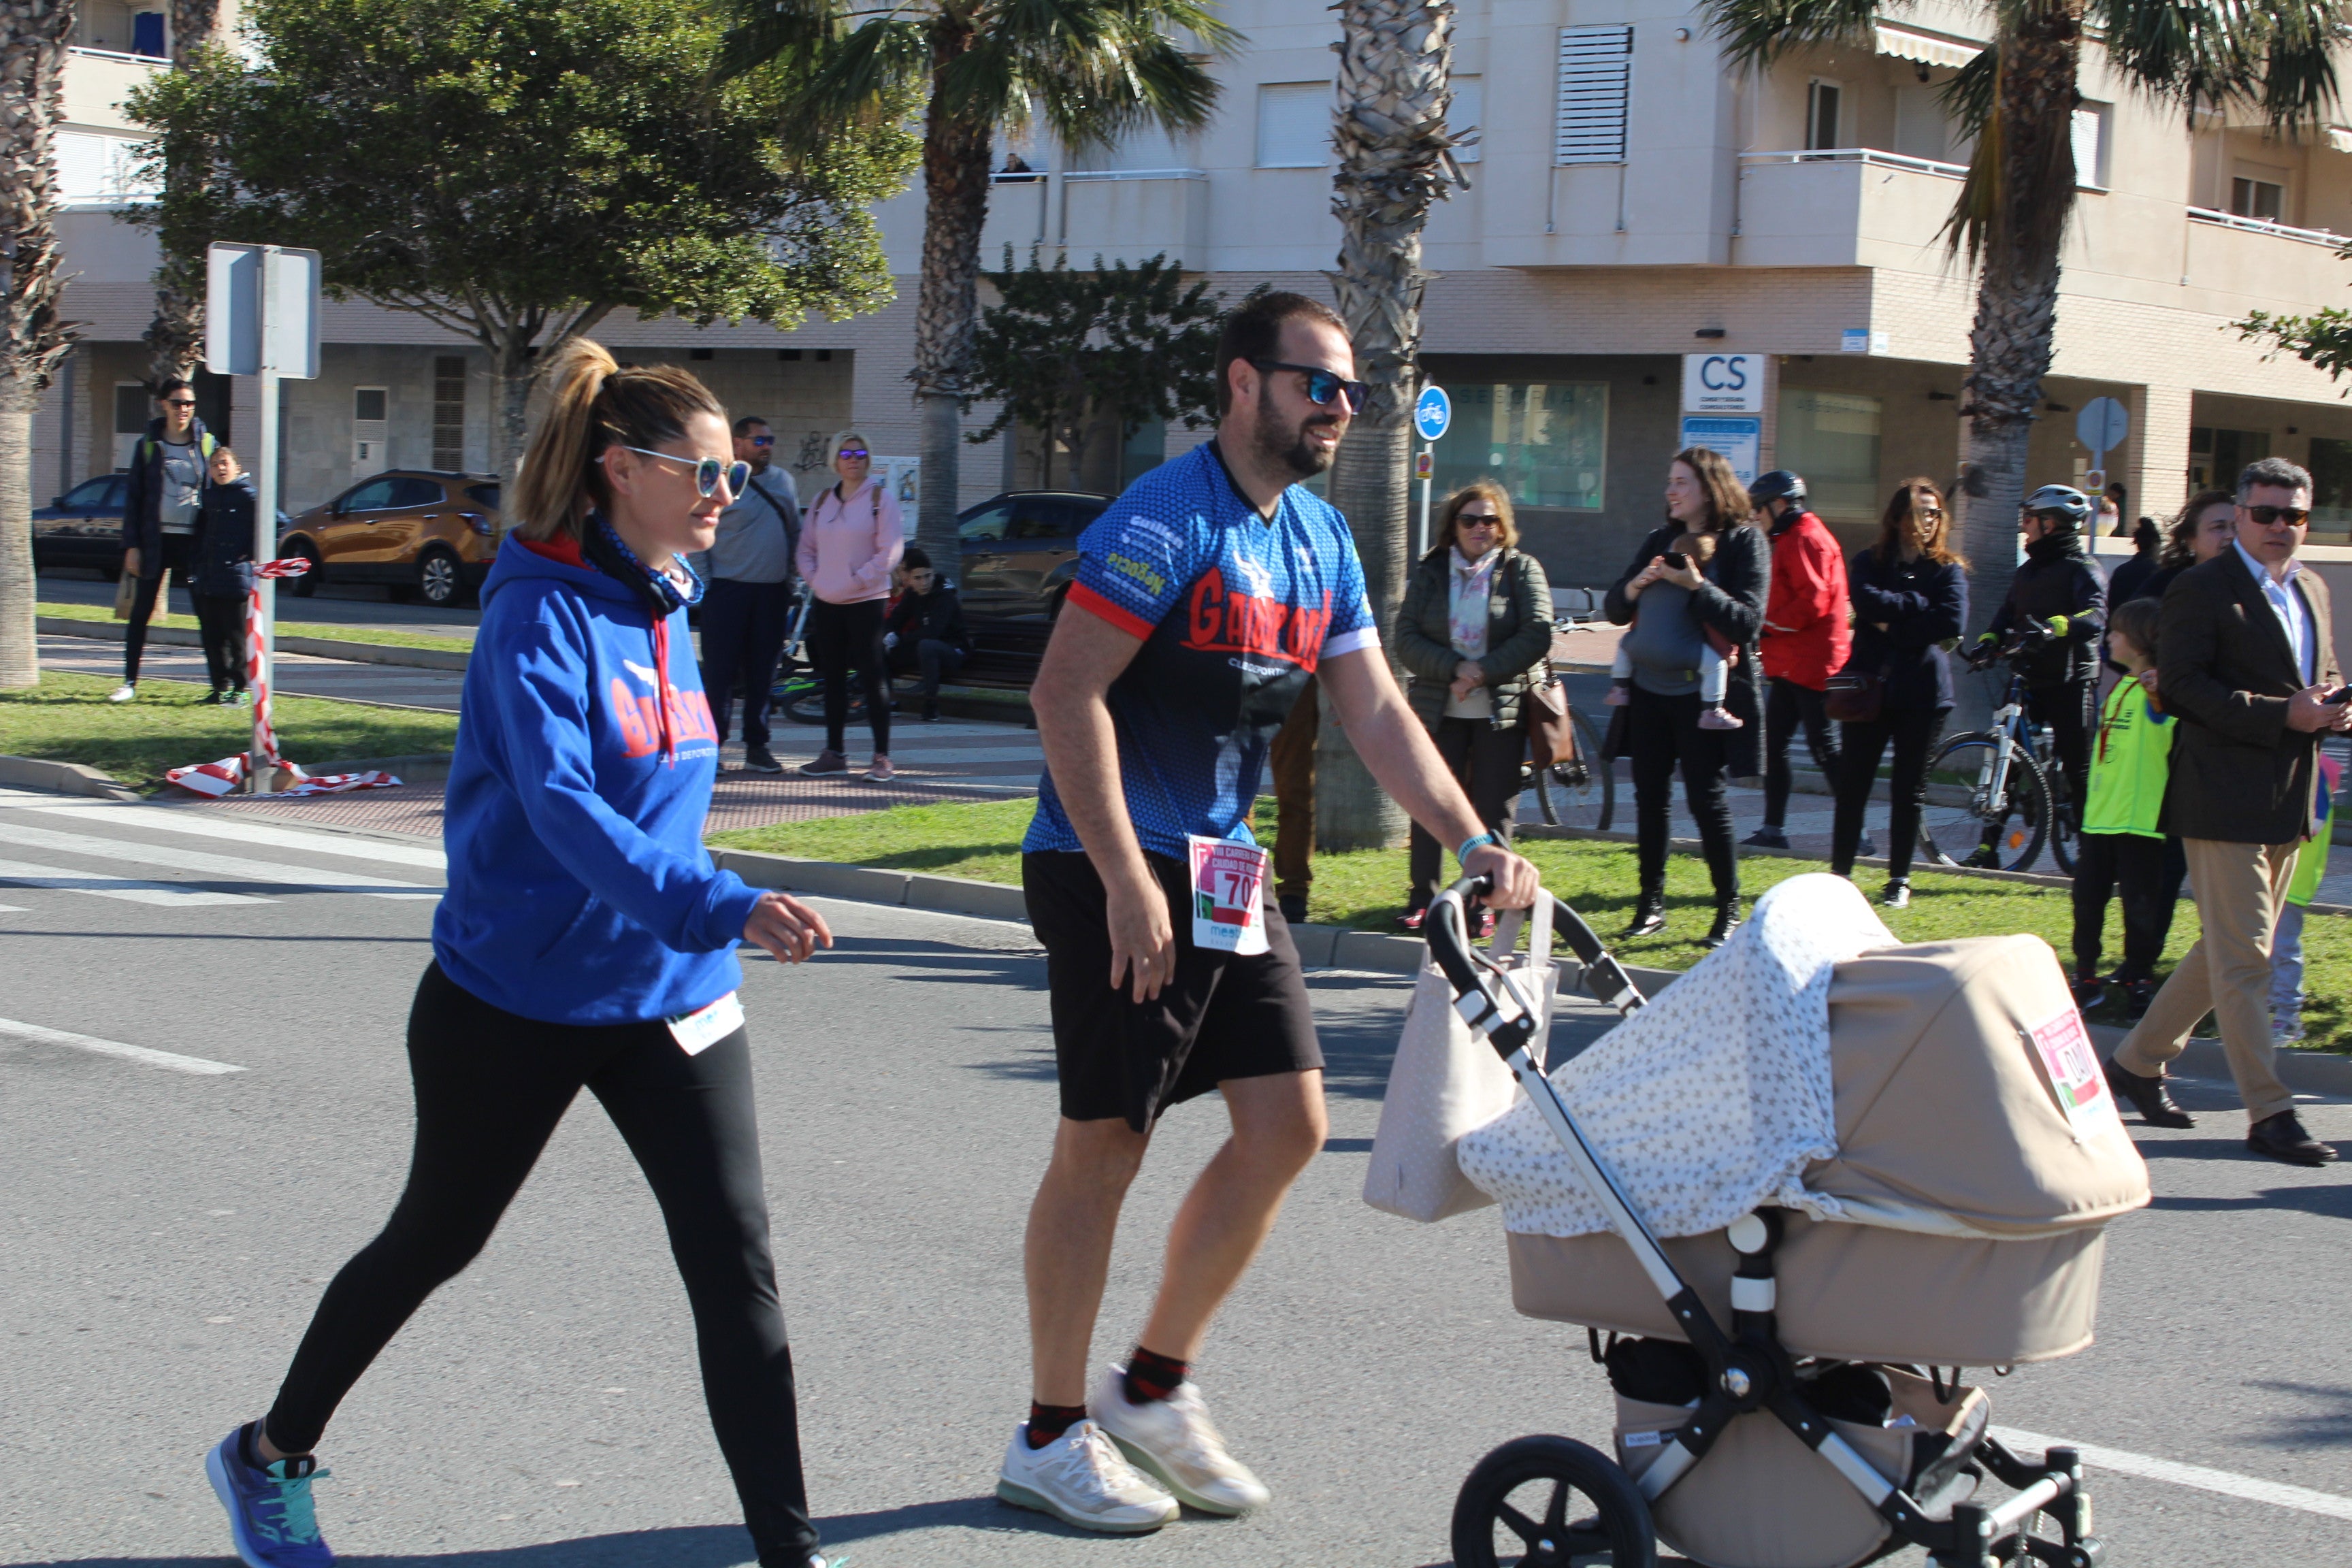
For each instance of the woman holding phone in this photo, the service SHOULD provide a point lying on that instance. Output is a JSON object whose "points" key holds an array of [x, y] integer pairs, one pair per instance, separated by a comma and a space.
{"points": [[584, 942], [850, 543]]}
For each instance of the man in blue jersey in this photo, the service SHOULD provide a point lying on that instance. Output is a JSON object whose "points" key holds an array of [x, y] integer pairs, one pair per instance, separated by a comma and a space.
{"points": [[1206, 597]]}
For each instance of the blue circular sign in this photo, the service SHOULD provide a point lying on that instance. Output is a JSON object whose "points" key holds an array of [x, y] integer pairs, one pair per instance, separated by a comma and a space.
{"points": [[1433, 411]]}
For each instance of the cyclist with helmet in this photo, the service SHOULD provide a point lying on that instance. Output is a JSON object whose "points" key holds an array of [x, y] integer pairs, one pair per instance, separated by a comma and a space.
{"points": [[1806, 639], [2056, 613]]}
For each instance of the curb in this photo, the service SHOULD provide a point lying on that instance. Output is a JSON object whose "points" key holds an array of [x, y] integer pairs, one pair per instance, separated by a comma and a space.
{"points": [[62, 778], [316, 647]]}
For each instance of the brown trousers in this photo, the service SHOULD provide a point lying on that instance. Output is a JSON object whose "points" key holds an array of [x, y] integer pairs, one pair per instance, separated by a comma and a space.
{"points": [[2239, 889], [1293, 764]]}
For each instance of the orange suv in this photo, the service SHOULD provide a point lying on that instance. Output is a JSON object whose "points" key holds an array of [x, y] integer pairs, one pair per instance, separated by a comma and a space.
{"points": [[424, 535]]}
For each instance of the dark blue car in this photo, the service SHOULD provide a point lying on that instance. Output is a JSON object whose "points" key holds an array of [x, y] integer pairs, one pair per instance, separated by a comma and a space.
{"points": [[82, 527]]}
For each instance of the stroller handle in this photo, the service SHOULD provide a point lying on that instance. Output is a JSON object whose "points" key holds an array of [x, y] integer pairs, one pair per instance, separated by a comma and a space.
{"points": [[1449, 947]]}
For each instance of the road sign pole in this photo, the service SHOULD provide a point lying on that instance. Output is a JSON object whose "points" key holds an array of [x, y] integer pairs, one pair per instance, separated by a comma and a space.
{"points": [[259, 772], [1423, 548]]}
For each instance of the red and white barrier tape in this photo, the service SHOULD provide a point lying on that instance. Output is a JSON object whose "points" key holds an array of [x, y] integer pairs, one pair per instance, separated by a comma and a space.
{"points": [[223, 777]]}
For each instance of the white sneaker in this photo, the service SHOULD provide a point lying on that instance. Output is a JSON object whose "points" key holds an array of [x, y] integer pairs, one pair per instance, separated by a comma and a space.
{"points": [[1079, 1478], [1172, 1441], [123, 693]]}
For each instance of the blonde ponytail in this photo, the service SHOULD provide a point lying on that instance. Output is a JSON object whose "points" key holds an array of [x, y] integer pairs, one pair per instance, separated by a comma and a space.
{"points": [[593, 402]]}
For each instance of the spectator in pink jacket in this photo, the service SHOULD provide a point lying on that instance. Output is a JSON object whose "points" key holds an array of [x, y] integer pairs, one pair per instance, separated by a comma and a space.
{"points": [[850, 539]]}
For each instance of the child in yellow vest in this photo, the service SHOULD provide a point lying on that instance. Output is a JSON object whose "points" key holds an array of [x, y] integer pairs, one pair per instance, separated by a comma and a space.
{"points": [[2122, 843], [2287, 939]]}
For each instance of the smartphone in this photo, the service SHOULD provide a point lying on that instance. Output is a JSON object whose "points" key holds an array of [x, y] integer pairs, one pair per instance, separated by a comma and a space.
{"points": [[2338, 697], [1676, 559]]}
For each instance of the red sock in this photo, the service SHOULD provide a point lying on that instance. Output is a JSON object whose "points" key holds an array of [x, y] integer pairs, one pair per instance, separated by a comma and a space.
{"points": [[1047, 1422], [1151, 1375]]}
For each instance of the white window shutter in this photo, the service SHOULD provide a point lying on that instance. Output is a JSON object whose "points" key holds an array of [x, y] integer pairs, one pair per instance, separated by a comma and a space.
{"points": [[2090, 138], [1468, 115], [1596, 76], [1294, 124]]}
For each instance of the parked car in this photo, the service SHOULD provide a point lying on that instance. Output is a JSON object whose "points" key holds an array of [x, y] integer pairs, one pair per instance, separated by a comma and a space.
{"points": [[82, 527], [1019, 552], [423, 534]]}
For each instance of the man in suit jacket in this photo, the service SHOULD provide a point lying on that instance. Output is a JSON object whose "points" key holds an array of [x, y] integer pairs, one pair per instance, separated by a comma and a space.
{"points": [[2246, 661]]}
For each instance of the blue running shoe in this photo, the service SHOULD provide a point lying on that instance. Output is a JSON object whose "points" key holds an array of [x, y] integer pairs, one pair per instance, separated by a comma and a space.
{"points": [[270, 1513]]}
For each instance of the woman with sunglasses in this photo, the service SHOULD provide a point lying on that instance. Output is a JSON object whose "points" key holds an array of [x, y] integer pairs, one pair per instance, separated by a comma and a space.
{"points": [[161, 506], [1475, 622], [850, 543], [584, 942]]}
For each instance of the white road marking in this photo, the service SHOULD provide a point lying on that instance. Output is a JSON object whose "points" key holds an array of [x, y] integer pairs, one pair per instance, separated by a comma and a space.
{"points": [[191, 820], [13, 909], [91, 1043], [216, 865], [2278, 1494], [106, 885]]}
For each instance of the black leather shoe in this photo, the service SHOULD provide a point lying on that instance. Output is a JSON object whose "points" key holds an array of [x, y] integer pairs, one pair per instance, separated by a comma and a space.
{"points": [[2282, 1138], [1766, 838], [1726, 920], [1649, 915], [2148, 1097]]}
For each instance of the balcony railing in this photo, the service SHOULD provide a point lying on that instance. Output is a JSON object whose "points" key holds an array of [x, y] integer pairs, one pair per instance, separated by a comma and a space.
{"points": [[2264, 225], [1870, 155], [121, 56]]}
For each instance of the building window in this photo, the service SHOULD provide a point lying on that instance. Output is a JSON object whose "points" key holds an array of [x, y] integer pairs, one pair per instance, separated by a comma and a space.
{"points": [[1294, 124], [1546, 442], [1832, 439], [449, 413], [2331, 489], [2216, 455], [1821, 99], [1596, 85], [370, 429], [2091, 122], [1467, 116], [2253, 196]]}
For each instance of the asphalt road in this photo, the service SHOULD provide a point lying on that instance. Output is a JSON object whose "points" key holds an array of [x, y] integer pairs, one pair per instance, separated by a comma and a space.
{"points": [[166, 1234], [358, 610]]}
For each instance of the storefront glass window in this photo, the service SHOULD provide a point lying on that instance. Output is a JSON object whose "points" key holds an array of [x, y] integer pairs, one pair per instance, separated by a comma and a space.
{"points": [[2331, 490], [1832, 439], [1546, 442]]}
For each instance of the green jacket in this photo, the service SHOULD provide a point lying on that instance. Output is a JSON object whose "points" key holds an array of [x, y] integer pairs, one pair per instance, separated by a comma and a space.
{"points": [[1518, 634], [2311, 860], [2130, 761]]}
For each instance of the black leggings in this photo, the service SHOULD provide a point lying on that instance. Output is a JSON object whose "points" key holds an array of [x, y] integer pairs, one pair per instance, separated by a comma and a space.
{"points": [[1915, 731], [491, 1087], [220, 619], [1663, 733], [1788, 706], [842, 637], [178, 551], [2106, 864]]}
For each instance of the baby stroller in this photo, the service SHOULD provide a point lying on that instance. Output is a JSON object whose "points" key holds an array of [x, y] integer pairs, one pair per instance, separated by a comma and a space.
{"points": [[1781, 1391]]}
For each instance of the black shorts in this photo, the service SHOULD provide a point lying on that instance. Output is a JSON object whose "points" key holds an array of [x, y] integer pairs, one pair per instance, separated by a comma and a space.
{"points": [[1222, 1016]]}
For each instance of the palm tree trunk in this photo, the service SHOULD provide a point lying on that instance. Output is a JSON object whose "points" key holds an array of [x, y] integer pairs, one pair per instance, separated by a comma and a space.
{"points": [[2017, 289], [1395, 159], [33, 337], [955, 188], [175, 337]]}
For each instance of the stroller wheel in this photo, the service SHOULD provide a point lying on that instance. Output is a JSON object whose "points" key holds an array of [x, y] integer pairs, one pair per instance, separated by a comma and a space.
{"points": [[1548, 1502]]}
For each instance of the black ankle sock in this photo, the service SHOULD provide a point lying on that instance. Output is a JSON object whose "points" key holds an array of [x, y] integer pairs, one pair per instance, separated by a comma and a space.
{"points": [[246, 1449], [1047, 1422], [1151, 1375]]}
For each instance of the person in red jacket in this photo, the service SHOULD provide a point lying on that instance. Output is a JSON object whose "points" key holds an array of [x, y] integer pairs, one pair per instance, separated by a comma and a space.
{"points": [[1806, 636]]}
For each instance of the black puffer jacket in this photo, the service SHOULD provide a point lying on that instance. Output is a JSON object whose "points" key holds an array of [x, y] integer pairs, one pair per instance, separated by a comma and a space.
{"points": [[2057, 579], [1731, 598]]}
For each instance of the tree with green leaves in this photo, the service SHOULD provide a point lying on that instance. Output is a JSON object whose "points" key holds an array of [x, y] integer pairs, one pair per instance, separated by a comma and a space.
{"points": [[2017, 99], [516, 171], [1069, 353], [2323, 339], [1090, 72]]}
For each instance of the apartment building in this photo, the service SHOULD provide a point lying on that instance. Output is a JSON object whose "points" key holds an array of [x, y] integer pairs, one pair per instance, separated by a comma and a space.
{"points": [[1633, 202]]}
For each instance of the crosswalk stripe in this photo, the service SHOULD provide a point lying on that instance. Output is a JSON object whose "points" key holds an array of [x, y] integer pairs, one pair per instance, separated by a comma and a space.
{"points": [[190, 820], [203, 862], [106, 885], [91, 1043]]}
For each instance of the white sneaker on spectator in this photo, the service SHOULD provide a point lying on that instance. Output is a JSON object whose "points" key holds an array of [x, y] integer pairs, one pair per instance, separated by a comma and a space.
{"points": [[1172, 1441], [1080, 1479], [123, 693]]}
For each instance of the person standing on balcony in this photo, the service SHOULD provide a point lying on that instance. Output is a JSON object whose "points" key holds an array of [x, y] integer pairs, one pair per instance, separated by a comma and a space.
{"points": [[162, 506], [849, 545], [747, 595], [1806, 640]]}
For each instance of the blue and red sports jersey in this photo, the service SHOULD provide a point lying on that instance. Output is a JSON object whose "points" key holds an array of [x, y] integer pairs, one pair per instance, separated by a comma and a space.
{"points": [[1236, 610]]}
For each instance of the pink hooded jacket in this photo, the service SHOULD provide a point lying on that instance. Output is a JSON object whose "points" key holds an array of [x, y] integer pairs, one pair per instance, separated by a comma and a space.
{"points": [[847, 548]]}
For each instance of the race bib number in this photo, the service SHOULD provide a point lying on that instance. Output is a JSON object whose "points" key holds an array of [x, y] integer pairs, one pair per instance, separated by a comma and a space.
{"points": [[700, 1030], [2072, 1065], [1228, 908]]}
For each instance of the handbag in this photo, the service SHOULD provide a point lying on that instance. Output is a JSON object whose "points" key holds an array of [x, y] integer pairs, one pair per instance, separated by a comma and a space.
{"points": [[1853, 697], [1445, 1082], [1543, 713]]}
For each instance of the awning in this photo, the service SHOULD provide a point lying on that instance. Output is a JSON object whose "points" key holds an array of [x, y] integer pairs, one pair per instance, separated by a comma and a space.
{"points": [[1925, 47]]}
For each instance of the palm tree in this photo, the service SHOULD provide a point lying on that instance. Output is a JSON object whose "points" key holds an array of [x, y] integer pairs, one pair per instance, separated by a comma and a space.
{"points": [[33, 336], [1396, 157], [176, 336], [2018, 99], [1092, 70]]}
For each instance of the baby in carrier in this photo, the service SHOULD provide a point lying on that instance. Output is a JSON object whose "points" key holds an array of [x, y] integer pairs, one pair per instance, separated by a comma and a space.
{"points": [[1714, 660]]}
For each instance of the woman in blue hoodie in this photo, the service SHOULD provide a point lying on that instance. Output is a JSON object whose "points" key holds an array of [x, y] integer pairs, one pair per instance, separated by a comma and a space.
{"points": [[584, 942]]}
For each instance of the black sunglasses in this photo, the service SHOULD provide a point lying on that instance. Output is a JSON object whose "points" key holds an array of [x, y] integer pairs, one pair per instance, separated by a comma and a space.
{"points": [[2293, 516], [1322, 386], [179, 403], [854, 454]]}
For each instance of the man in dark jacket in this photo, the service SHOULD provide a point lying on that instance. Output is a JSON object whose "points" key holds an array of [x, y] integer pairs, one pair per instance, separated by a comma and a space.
{"points": [[162, 499], [925, 628], [2056, 608], [2246, 663]]}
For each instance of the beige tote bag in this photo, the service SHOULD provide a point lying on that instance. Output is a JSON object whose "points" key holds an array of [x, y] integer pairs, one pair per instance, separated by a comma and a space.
{"points": [[1444, 1082]]}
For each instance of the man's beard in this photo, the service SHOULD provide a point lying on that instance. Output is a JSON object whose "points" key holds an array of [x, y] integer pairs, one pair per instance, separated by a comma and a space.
{"points": [[1288, 447]]}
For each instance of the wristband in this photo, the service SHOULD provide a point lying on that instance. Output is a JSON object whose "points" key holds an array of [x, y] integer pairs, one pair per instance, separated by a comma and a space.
{"points": [[1469, 845]]}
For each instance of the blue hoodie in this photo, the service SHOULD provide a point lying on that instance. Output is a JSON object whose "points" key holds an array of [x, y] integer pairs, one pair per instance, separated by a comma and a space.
{"points": [[579, 889]]}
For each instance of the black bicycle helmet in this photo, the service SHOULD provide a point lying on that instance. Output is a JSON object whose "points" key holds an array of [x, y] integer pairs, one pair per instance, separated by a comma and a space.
{"points": [[2064, 500], [1775, 486]]}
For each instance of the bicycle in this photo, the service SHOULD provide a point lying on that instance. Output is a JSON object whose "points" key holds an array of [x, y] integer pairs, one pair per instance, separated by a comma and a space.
{"points": [[2019, 799], [1586, 786]]}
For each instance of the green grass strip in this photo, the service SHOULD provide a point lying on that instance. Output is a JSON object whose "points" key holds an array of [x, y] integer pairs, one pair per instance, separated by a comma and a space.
{"points": [[378, 636]]}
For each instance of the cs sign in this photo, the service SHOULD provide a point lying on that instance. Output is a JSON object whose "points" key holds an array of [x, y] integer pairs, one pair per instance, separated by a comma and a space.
{"points": [[1723, 383]]}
